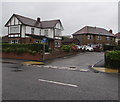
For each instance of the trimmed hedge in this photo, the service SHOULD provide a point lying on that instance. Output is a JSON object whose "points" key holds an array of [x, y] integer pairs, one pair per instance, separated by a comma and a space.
{"points": [[108, 47], [21, 48], [66, 48], [112, 59]]}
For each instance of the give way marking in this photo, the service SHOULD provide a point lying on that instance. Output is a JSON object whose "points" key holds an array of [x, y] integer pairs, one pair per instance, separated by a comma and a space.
{"points": [[60, 83]]}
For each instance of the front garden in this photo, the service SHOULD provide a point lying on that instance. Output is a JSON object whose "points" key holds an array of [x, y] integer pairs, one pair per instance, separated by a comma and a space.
{"points": [[35, 51]]}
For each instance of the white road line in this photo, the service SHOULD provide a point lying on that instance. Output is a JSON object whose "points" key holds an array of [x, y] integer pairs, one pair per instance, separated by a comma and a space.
{"points": [[65, 84]]}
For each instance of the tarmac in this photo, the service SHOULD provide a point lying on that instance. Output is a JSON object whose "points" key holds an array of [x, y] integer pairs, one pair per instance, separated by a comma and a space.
{"points": [[98, 67]]}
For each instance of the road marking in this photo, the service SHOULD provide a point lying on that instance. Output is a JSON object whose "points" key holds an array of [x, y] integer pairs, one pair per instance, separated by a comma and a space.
{"points": [[60, 83]]}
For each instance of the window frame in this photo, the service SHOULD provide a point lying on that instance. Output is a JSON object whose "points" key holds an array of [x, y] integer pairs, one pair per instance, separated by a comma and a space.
{"points": [[99, 37], [32, 30], [90, 37], [46, 32]]}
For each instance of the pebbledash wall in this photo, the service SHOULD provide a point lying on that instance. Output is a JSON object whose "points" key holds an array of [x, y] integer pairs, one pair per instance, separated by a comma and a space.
{"points": [[27, 56]]}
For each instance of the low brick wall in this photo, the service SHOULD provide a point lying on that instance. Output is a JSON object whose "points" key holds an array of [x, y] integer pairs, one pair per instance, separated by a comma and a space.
{"points": [[25, 56], [28, 56]]}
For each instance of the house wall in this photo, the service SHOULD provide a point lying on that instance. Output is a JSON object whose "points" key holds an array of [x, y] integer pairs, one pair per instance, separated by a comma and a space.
{"points": [[85, 41], [23, 31], [14, 21], [58, 29], [36, 30]]}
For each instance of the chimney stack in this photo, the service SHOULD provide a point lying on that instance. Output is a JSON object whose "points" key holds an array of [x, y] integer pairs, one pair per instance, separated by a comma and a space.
{"points": [[110, 30], [38, 19]]}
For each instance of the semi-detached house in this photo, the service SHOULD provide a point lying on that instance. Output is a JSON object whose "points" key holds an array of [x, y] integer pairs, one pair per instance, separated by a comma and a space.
{"points": [[94, 36], [26, 30]]}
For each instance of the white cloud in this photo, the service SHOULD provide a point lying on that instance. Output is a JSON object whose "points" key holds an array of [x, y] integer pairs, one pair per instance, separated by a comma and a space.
{"points": [[73, 15]]}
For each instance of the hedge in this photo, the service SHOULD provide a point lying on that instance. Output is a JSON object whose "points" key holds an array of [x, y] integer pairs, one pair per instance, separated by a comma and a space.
{"points": [[108, 47], [66, 48], [21, 48], [112, 59]]}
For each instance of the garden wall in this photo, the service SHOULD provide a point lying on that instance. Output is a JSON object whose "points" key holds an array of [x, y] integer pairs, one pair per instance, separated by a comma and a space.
{"points": [[28, 56]]}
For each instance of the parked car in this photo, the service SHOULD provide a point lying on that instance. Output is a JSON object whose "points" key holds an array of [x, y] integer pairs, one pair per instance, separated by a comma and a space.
{"points": [[87, 48], [79, 47]]}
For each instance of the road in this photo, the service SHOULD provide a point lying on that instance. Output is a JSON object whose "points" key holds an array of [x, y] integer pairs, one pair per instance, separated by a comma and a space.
{"points": [[40, 83]]}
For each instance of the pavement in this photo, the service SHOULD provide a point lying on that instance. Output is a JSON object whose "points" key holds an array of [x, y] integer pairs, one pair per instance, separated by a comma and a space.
{"points": [[58, 82], [100, 67]]}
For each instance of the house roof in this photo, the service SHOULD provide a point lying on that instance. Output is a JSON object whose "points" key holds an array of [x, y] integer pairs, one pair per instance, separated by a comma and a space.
{"points": [[69, 40], [33, 22], [93, 30], [117, 35]]}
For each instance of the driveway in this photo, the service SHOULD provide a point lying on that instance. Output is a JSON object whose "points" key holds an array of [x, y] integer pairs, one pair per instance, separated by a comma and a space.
{"points": [[80, 61], [40, 83]]}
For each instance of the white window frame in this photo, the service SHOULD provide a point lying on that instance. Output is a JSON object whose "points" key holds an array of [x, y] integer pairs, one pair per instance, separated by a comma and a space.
{"points": [[57, 44], [46, 32], [14, 41], [32, 30], [107, 38], [99, 37], [38, 41], [40, 32], [90, 37], [14, 29]]}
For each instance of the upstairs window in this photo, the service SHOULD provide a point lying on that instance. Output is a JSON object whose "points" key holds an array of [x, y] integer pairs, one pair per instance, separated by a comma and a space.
{"points": [[46, 32], [107, 38], [32, 30], [99, 37], [90, 36], [58, 32], [40, 32], [14, 29]]}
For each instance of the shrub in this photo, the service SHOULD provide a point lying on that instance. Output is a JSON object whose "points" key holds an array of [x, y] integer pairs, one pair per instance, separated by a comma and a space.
{"points": [[66, 48], [73, 47], [116, 48], [108, 47], [34, 52], [21, 48], [112, 59]]}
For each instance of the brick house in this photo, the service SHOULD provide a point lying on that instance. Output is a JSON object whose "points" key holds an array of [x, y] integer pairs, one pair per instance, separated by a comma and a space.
{"points": [[117, 38], [26, 30], [94, 36]]}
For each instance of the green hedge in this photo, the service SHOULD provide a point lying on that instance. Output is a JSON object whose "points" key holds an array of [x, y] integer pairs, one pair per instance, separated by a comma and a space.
{"points": [[108, 47], [21, 48], [66, 48], [112, 59]]}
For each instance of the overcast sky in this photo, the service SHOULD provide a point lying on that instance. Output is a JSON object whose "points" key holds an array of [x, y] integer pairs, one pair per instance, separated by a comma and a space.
{"points": [[73, 15]]}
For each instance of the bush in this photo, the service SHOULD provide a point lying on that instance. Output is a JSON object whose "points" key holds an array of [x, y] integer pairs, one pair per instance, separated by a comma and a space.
{"points": [[112, 59], [66, 48], [116, 48], [74, 47], [108, 47], [21, 48]]}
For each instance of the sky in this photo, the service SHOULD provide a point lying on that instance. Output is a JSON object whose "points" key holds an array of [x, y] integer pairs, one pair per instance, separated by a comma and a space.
{"points": [[73, 15]]}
